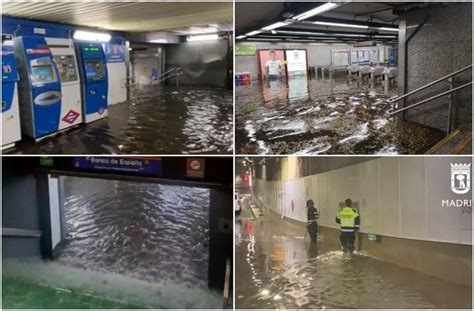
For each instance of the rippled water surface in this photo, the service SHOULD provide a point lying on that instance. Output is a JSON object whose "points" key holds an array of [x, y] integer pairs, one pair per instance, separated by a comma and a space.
{"points": [[277, 268], [151, 232], [157, 120], [303, 116]]}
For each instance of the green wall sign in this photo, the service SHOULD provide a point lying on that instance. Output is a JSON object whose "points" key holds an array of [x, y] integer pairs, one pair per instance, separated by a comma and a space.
{"points": [[245, 49], [46, 161]]}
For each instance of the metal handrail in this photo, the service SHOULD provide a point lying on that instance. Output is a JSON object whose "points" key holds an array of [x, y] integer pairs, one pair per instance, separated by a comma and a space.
{"points": [[390, 113], [226, 294], [392, 100], [173, 72]]}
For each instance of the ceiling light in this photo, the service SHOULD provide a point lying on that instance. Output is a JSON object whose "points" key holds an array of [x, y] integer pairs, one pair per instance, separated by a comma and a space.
{"points": [[341, 25], [392, 37], [91, 36], [240, 37], [202, 37], [263, 39], [276, 25], [320, 9], [348, 35], [388, 29], [252, 33], [301, 33]]}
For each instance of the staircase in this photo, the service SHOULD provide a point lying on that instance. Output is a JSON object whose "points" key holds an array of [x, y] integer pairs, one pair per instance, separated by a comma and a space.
{"points": [[457, 142]]}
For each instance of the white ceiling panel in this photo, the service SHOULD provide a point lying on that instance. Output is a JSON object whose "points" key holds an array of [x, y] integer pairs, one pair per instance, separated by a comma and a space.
{"points": [[125, 16]]}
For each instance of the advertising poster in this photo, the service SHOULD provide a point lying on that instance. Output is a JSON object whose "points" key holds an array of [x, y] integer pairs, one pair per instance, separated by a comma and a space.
{"points": [[266, 58], [296, 62], [114, 53]]}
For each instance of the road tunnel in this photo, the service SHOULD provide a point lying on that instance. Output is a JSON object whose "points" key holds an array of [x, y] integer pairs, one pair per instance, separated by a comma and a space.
{"points": [[413, 248]]}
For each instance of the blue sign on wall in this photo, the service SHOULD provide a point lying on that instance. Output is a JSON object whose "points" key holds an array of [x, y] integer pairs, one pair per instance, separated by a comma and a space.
{"points": [[114, 53], [142, 166]]}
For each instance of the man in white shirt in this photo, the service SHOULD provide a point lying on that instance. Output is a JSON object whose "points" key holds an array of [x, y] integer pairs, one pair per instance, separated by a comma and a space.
{"points": [[273, 67]]}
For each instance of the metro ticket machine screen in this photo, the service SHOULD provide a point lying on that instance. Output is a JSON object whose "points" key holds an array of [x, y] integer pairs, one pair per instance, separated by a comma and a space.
{"points": [[43, 73], [94, 69]]}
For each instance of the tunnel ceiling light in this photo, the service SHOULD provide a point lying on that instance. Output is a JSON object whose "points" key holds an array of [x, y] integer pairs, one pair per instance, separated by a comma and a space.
{"points": [[241, 37], [91, 36], [341, 25], [276, 25], [202, 37], [253, 33], [388, 29], [320, 9]]}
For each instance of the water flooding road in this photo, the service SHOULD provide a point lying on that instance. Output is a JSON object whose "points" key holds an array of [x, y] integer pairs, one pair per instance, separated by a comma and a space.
{"points": [[158, 120], [303, 116], [150, 232], [276, 268]]}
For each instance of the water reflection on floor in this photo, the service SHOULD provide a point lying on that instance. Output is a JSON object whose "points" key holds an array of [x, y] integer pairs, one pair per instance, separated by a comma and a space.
{"points": [[301, 116], [158, 120], [277, 268], [151, 232]]}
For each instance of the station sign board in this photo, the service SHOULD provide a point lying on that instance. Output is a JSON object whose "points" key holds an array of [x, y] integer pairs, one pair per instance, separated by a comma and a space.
{"points": [[150, 166]]}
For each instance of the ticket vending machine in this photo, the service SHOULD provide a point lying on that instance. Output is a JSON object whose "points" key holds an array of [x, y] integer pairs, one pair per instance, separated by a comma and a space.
{"points": [[39, 87], [93, 70], [65, 60], [11, 131]]}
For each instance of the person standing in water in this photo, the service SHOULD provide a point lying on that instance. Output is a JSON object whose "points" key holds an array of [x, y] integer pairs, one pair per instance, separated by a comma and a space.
{"points": [[312, 224]]}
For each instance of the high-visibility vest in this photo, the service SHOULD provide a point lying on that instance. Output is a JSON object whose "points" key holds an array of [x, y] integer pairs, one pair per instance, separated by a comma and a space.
{"points": [[349, 219]]}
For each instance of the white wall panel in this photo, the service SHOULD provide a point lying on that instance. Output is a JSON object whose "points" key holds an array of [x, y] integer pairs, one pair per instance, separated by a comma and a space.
{"points": [[399, 197], [413, 204]]}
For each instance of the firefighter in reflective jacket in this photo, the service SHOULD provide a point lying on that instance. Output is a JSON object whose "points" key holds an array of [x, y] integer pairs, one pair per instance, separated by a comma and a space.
{"points": [[349, 220], [312, 224]]}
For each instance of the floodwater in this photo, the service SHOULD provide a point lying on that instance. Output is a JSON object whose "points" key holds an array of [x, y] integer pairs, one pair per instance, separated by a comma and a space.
{"points": [[138, 244], [277, 268], [302, 116], [157, 120], [152, 232]]}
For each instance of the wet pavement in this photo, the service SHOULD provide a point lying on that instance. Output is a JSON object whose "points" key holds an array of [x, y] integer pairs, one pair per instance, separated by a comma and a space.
{"points": [[303, 116], [276, 267], [158, 120], [150, 232]]}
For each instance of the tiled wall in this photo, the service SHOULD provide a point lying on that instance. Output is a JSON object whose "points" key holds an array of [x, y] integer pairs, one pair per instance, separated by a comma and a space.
{"points": [[441, 46]]}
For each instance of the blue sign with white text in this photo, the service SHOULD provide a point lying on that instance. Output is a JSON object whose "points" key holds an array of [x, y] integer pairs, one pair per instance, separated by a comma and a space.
{"points": [[142, 166], [114, 53]]}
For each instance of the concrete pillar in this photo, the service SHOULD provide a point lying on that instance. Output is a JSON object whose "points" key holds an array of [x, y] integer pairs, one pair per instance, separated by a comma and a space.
{"points": [[220, 234]]}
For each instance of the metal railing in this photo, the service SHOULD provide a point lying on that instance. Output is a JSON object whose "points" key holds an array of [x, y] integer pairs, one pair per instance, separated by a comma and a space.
{"points": [[228, 273], [173, 72], [451, 90]]}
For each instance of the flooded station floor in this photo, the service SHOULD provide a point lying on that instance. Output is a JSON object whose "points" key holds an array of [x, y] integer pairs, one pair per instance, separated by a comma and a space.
{"points": [[301, 116], [276, 268], [157, 120]]}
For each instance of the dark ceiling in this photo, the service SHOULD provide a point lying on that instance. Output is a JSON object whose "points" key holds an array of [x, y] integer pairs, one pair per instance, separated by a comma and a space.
{"points": [[250, 16]]}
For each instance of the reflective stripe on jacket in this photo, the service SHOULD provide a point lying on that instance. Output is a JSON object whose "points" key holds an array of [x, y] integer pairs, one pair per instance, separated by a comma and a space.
{"points": [[349, 219]]}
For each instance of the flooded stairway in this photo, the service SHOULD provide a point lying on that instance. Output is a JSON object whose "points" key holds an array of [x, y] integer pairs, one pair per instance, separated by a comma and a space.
{"points": [[457, 142]]}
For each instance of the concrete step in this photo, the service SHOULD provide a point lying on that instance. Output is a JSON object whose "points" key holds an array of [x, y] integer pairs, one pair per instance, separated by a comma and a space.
{"points": [[457, 142]]}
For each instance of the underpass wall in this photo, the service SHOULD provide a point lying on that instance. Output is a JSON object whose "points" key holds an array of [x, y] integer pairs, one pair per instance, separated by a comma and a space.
{"points": [[399, 199]]}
